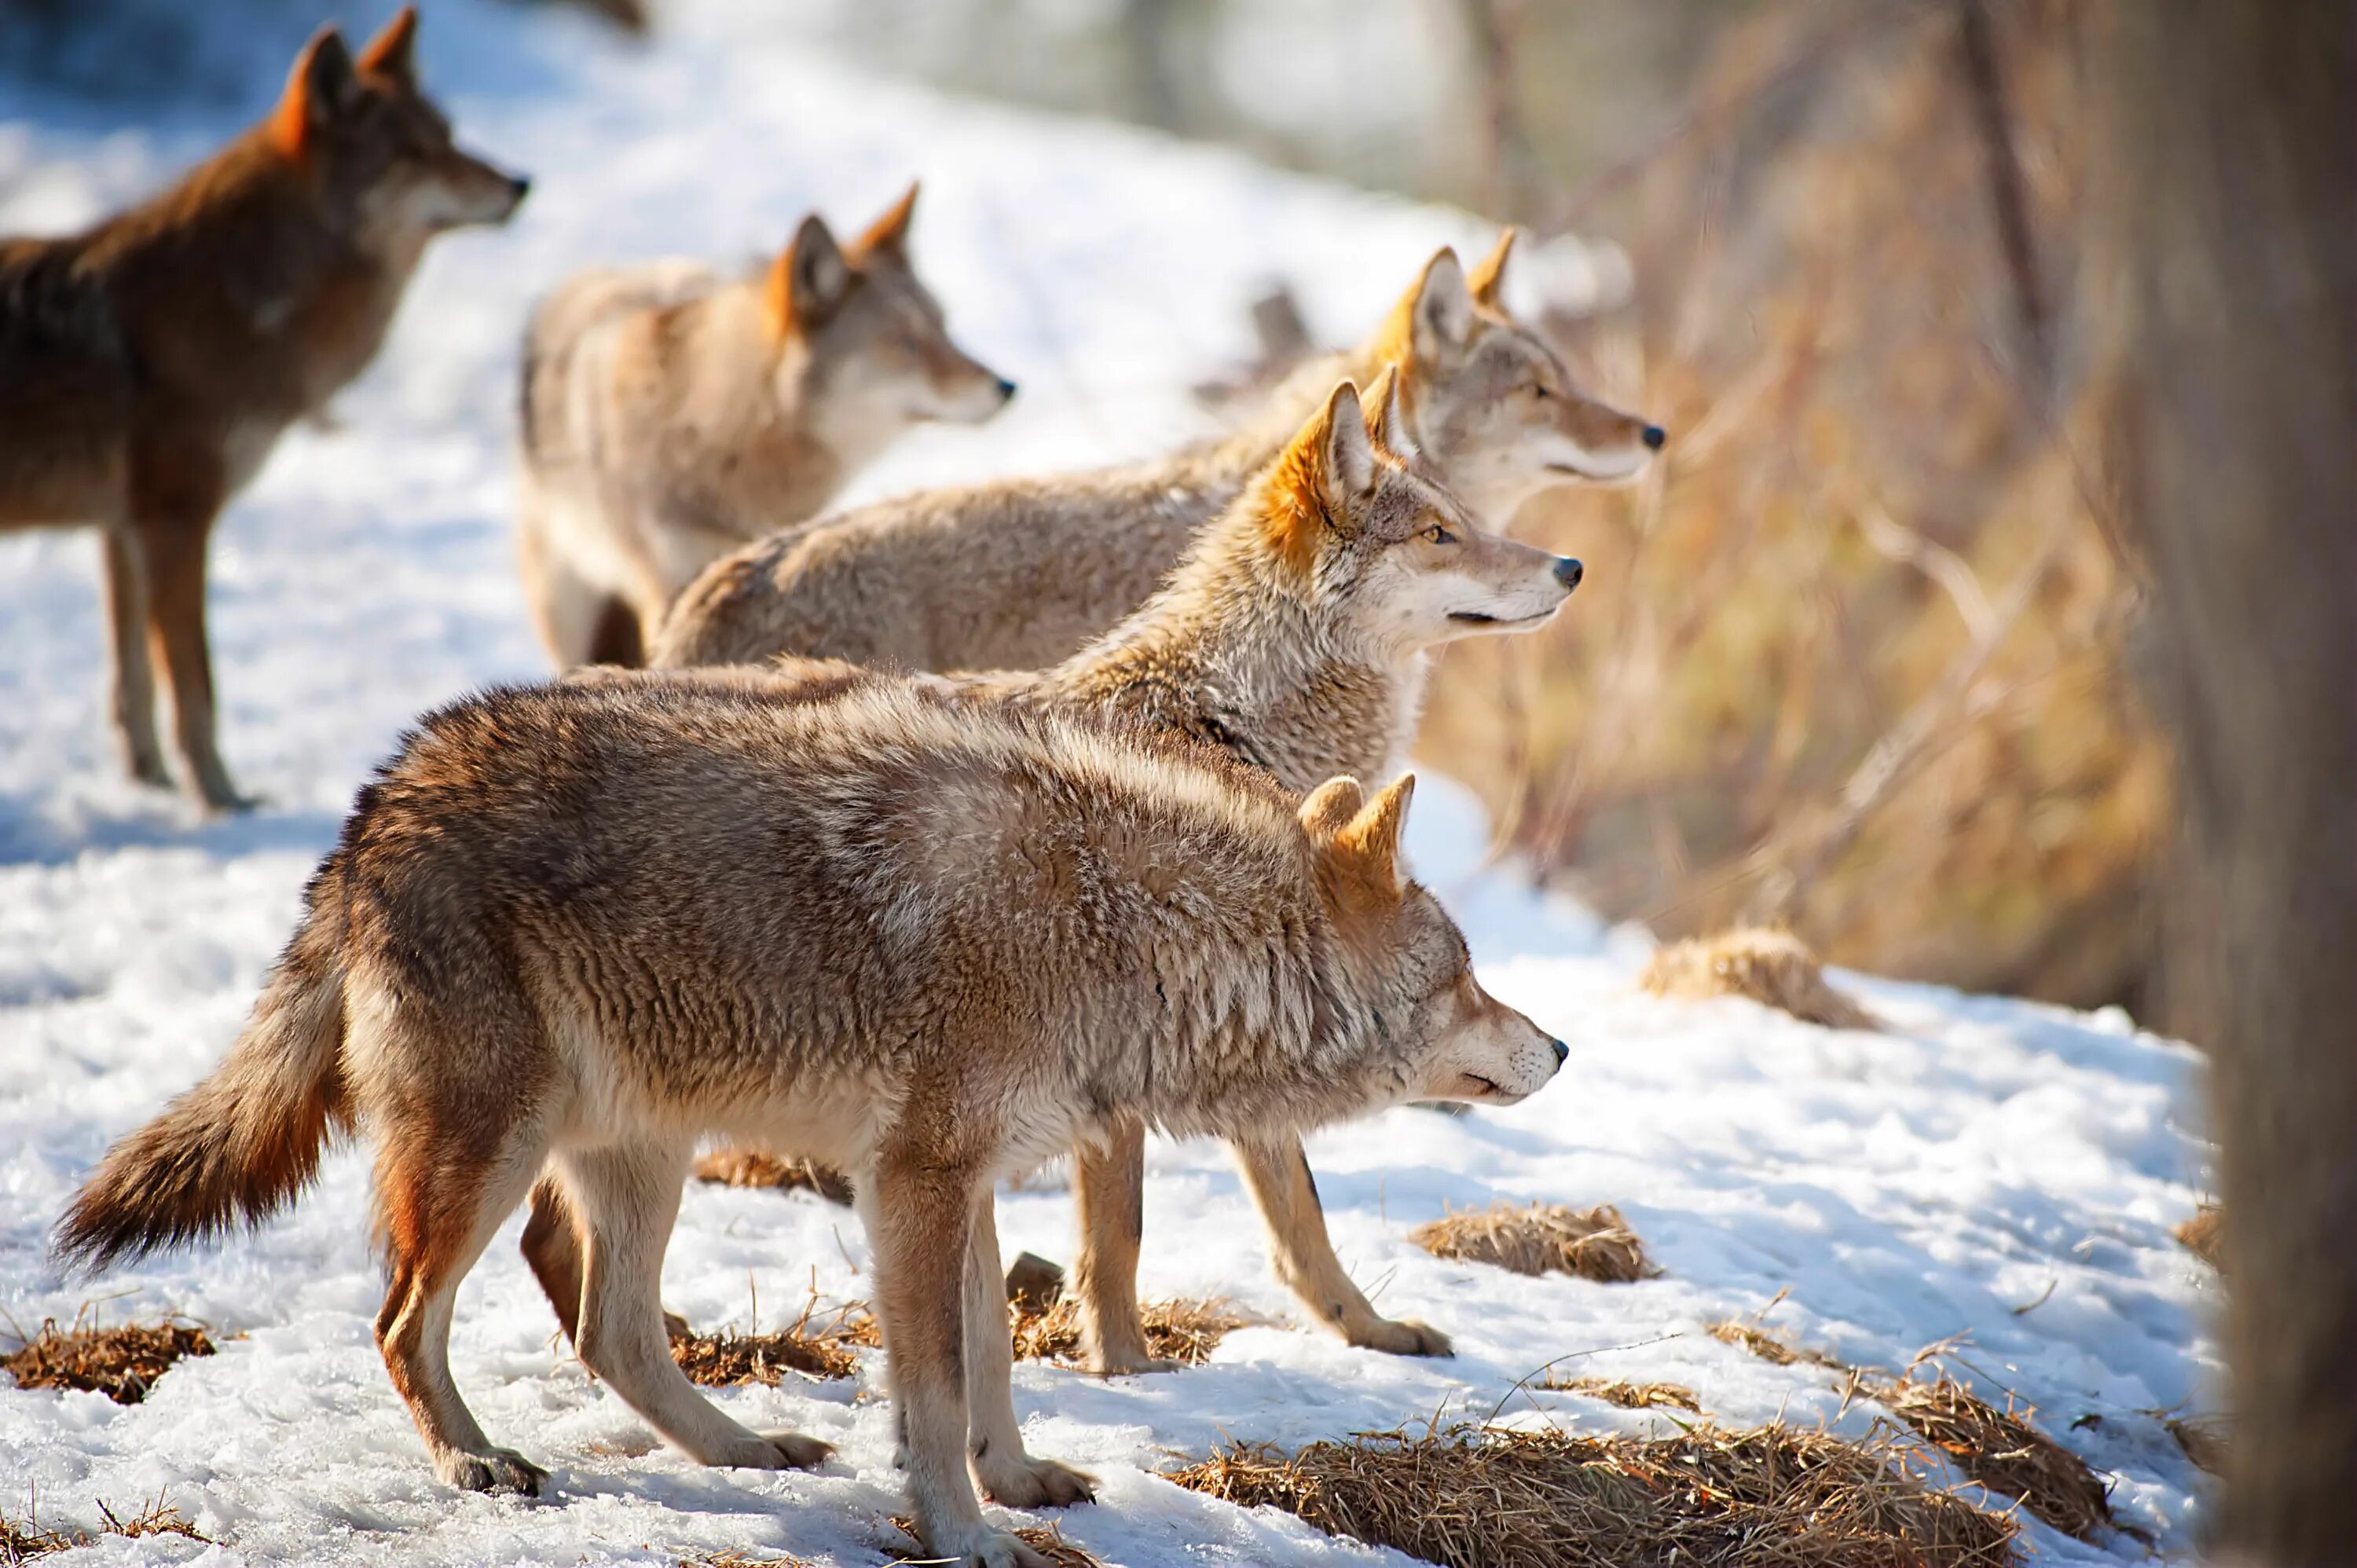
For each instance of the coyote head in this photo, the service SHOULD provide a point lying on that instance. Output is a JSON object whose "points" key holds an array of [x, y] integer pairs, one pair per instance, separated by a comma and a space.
{"points": [[1383, 553], [1444, 1037], [376, 150], [1491, 403], [863, 343]]}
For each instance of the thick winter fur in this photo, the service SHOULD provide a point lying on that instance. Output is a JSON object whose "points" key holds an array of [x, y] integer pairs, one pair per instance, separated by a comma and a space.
{"points": [[669, 415], [1022, 573], [925, 938], [1293, 637], [148, 366]]}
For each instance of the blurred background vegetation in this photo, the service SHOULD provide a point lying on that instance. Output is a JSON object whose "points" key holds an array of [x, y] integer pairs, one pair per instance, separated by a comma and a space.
{"points": [[1857, 656]]}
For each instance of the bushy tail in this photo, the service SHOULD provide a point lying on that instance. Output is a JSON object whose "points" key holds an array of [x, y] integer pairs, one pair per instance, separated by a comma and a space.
{"points": [[241, 1144]]}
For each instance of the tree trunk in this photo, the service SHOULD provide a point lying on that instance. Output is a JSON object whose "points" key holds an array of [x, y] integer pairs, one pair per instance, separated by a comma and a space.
{"points": [[2232, 242]]}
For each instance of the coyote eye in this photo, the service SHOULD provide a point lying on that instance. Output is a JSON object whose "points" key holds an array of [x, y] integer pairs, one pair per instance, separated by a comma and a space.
{"points": [[1538, 391], [1438, 533]]}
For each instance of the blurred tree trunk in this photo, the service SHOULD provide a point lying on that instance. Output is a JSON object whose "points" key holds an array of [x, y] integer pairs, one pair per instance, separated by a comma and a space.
{"points": [[2229, 133]]}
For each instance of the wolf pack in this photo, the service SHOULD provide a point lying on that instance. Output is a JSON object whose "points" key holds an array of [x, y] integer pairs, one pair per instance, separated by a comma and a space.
{"points": [[929, 840]]}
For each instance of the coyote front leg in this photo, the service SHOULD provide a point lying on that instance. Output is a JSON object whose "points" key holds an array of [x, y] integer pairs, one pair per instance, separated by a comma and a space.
{"points": [[1278, 1171], [1109, 1195]]}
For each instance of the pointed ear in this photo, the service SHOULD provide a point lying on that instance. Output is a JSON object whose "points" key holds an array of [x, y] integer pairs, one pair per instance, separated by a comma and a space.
{"points": [[1489, 275], [808, 280], [392, 53], [1440, 310], [319, 88], [1372, 837], [1348, 454], [889, 233], [1327, 809], [1386, 420]]}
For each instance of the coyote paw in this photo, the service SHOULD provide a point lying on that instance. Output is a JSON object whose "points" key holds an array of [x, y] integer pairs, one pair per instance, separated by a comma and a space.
{"points": [[780, 1451], [1401, 1336], [1023, 1482], [499, 1470], [1124, 1362], [986, 1548]]}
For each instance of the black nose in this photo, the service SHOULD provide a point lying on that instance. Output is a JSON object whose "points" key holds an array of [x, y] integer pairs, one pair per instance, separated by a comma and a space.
{"points": [[1006, 388], [1569, 571], [1655, 436], [1562, 1052]]}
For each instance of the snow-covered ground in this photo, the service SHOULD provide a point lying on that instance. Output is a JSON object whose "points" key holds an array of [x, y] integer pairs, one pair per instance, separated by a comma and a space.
{"points": [[1987, 1167]]}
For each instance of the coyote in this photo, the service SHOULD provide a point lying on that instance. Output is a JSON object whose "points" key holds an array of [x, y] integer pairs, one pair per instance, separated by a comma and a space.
{"points": [[1293, 637], [1021, 573], [148, 365], [588, 925], [669, 416]]}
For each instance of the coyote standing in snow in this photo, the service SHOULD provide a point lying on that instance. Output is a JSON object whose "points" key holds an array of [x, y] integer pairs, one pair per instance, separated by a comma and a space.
{"points": [[1020, 573], [1293, 636], [669, 415], [884, 926], [148, 365]]}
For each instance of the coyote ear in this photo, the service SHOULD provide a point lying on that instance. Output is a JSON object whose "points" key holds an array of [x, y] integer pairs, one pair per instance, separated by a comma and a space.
{"points": [[808, 280], [1328, 810], [1325, 470], [889, 233], [392, 53], [1386, 419], [1440, 311], [1348, 452], [1490, 274], [319, 88], [1372, 837]]}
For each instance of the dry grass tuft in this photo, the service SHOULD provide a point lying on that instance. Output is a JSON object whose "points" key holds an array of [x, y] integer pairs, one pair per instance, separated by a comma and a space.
{"points": [[1046, 1540], [1768, 1348], [1627, 1395], [159, 1517], [830, 1351], [2002, 1451], [2204, 1439], [1773, 968], [1546, 1238], [736, 1558], [121, 1363], [759, 1168], [2201, 1234], [1185, 1330], [1471, 1497], [21, 1540]]}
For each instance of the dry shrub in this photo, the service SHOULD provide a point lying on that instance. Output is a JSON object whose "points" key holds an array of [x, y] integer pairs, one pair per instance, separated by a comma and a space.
{"points": [[1545, 1238], [1186, 1331], [1768, 1348], [1773, 968], [1476, 1497], [1046, 1540], [2204, 1440], [1627, 1395], [121, 1363], [2002, 1451], [2201, 1234], [759, 1168], [728, 1358]]}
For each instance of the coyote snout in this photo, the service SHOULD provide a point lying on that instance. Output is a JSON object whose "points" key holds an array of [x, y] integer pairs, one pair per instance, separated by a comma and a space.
{"points": [[1495, 1055]]}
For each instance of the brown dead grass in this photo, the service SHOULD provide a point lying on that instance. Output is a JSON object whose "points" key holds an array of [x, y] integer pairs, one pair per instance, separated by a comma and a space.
{"points": [[1773, 968], [1185, 1330], [1627, 1395], [728, 1358], [2203, 1438], [2201, 1234], [121, 1363], [759, 1168], [2002, 1451], [1046, 1540], [1472, 1497], [1545, 1238], [21, 1540], [1769, 1347]]}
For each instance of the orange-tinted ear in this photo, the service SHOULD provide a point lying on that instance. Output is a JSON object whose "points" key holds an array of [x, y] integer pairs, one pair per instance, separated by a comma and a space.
{"points": [[1433, 319], [392, 53], [808, 280], [320, 87], [889, 233], [1374, 836], [1386, 419], [1487, 277], [1323, 474], [1328, 810]]}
